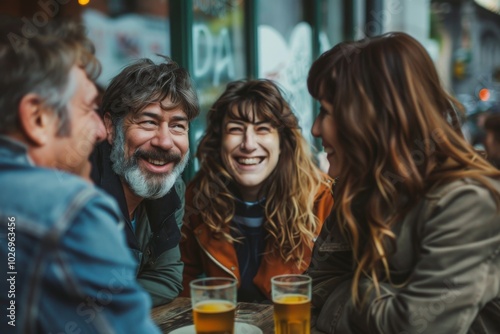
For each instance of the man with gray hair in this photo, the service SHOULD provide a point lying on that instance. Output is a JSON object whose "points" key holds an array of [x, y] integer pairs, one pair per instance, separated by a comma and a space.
{"points": [[147, 109], [66, 266]]}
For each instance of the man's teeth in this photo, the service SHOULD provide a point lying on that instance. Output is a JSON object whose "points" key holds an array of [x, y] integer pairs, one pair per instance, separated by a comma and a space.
{"points": [[157, 162], [248, 161]]}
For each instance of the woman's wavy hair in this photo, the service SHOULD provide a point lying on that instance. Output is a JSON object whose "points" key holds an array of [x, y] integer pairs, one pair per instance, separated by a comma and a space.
{"points": [[399, 134], [289, 191]]}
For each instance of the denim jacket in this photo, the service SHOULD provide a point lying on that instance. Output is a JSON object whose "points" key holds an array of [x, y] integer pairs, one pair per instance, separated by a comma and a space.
{"points": [[65, 264]]}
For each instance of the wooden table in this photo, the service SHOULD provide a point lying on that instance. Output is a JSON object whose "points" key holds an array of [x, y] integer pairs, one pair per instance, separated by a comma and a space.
{"points": [[179, 313]]}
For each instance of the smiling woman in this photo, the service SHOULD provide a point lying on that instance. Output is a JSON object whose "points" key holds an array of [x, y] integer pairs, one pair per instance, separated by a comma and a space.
{"points": [[258, 202], [413, 239], [250, 151]]}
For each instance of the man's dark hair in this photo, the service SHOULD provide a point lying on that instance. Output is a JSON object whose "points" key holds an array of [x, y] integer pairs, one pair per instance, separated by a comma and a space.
{"points": [[143, 83]]}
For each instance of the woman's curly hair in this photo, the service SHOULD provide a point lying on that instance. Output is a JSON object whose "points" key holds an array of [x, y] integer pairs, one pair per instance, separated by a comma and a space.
{"points": [[289, 191]]}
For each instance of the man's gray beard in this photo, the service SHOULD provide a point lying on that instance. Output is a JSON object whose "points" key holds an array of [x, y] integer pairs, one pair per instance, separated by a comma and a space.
{"points": [[142, 184]]}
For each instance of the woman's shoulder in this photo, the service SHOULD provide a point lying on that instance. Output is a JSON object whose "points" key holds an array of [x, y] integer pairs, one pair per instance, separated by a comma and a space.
{"points": [[193, 191], [325, 188], [464, 187], [460, 196], [324, 200]]}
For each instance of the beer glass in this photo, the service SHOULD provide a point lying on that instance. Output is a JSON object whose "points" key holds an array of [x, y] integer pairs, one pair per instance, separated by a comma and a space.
{"points": [[214, 302], [292, 304]]}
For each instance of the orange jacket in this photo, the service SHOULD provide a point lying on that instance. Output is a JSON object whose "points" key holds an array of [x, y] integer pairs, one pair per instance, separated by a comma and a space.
{"points": [[201, 252]]}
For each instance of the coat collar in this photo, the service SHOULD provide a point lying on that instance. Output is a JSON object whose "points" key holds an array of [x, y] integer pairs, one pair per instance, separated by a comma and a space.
{"points": [[14, 150]]}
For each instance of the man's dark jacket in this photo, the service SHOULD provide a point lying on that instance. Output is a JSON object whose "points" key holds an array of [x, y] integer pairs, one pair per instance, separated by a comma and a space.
{"points": [[155, 243]]}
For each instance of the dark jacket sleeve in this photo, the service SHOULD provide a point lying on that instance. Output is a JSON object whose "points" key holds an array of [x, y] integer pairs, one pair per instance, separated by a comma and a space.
{"points": [[331, 262], [456, 275]]}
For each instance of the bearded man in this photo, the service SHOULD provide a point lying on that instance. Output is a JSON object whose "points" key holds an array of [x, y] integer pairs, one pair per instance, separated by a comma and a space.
{"points": [[147, 109]]}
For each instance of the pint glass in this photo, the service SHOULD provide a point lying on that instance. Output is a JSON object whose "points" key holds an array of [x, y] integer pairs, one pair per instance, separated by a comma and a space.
{"points": [[214, 302], [292, 304]]}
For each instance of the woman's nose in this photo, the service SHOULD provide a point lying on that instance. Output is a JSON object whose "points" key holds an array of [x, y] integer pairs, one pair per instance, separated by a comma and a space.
{"points": [[249, 142], [316, 129]]}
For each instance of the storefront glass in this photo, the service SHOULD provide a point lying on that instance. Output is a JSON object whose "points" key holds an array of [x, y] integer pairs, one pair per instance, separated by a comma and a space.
{"points": [[124, 31], [285, 53], [219, 54]]}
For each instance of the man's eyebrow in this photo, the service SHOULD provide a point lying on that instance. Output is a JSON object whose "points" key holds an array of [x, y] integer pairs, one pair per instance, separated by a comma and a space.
{"points": [[151, 114], [158, 116], [179, 118]]}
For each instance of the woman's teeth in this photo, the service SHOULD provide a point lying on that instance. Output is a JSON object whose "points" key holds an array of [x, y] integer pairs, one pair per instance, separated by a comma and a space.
{"points": [[249, 161]]}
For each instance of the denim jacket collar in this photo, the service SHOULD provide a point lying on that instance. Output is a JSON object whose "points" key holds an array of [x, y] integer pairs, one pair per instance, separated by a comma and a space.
{"points": [[14, 150]]}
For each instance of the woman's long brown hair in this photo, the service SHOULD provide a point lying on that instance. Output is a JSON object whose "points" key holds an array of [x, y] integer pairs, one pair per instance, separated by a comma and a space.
{"points": [[399, 134]]}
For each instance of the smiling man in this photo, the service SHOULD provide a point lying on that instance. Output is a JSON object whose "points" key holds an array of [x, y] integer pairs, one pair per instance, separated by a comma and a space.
{"points": [[147, 109], [66, 264]]}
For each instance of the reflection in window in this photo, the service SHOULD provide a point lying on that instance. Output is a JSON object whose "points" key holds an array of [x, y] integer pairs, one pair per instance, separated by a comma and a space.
{"points": [[125, 30], [285, 54], [332, 24], [219, 54], [490, 52]]}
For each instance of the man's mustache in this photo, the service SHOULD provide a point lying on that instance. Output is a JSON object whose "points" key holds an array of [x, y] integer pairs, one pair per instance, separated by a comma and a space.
{"points": [[158, 155]]}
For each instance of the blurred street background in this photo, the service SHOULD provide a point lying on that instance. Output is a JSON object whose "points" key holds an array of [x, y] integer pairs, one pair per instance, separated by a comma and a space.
{"points": [[223, 40]]}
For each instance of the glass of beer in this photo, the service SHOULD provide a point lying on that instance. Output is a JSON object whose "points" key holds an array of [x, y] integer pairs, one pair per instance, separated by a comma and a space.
{"points": [[292, 304], [214, 303]]}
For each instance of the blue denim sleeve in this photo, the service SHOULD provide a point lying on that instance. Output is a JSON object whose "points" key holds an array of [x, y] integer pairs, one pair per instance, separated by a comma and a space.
{"points": [[93, 279]]}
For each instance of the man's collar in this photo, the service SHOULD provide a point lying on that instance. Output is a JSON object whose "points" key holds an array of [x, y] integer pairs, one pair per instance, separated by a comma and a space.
{"points": [[15, 149]]}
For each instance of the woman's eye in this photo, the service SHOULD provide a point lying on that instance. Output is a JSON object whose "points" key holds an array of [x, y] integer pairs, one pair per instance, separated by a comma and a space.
{"points": [[264, 129], [234, 130]]}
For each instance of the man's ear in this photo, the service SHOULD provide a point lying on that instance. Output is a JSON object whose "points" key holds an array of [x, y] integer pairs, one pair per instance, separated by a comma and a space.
{"points": [[110, 129], [36, 121]]}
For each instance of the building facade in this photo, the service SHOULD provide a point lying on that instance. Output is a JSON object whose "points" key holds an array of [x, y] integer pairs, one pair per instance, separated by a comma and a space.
{"points": [[219, 41]]}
